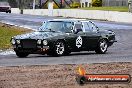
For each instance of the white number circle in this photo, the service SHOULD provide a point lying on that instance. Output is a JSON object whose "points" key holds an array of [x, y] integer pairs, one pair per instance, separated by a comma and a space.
{"points": [[79, 41]]}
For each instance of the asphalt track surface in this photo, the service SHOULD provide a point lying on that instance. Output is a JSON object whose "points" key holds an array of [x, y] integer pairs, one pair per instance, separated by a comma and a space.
{"points": [[119, 52]]}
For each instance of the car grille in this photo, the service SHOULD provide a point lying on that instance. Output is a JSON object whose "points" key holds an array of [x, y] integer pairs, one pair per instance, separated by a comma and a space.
{"points": [[29, 43], [4, 8]]}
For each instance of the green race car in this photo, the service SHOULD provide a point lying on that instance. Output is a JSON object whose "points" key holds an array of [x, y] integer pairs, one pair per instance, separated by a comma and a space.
{"points": [[61, 37]]}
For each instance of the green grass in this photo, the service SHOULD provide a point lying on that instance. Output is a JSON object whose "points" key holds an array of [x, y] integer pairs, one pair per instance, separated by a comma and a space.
{"points": [[120, 9], [6, 32]]}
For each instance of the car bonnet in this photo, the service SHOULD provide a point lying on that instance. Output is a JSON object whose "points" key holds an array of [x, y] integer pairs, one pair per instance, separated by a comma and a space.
{"points": [[38, 35]]}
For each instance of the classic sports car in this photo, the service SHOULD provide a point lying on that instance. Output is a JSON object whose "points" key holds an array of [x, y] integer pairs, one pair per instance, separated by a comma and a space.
{"points": [[5, 7], [61, 37]]}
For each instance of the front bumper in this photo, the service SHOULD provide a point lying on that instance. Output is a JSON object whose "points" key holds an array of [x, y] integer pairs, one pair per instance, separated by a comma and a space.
{"points": [[30, 46], [4, 9], [37, 50]]}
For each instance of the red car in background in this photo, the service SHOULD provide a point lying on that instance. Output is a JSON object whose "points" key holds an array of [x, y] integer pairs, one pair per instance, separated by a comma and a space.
{"points": [[5, 7]]}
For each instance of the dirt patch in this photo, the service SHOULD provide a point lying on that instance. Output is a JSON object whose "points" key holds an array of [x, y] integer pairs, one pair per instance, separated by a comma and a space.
{"points": [[59, 76]]}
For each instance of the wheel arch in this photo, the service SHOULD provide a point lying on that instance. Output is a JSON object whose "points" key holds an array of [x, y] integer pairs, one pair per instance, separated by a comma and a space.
{"points": [[63, 40], [105, 38]]}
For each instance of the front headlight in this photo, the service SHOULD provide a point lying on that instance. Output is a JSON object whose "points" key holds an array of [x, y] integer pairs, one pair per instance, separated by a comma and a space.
{"points": [[13, 41], [39, 42], [45, 42], [18, 41]]}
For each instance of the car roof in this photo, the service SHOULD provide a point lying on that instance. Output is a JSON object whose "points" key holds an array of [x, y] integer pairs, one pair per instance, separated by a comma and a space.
{"points": [[4, 3], [70, 20]]}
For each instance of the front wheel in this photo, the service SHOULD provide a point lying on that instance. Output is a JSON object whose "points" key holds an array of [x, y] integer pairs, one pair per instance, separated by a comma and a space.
{"points": [[9, 11], [59, 49], [22, 54], [102, 47]]}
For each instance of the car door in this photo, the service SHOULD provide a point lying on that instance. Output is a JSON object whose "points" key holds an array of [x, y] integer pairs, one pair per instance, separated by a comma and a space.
{"points": [[76, 40], [92, 33], [81, 37]]}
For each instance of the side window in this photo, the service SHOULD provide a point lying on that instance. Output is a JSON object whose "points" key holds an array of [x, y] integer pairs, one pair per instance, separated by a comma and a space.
{"points": [[78, 26], [91, 26], [86, 26]]}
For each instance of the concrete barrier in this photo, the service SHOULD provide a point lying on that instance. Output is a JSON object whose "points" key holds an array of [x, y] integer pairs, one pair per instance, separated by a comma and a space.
{"points": [[91, 14], [15, 10]]}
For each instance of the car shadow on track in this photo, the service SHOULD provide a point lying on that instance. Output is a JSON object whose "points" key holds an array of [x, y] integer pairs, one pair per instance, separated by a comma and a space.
{"points": [[72, 54]]}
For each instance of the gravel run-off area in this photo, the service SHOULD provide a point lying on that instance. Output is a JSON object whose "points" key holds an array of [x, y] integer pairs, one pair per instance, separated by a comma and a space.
{"points": [[59, 76]]}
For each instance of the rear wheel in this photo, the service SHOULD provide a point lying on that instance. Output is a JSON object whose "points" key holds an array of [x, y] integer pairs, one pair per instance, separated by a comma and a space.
{"points": [[22, 54], [102, 47]]}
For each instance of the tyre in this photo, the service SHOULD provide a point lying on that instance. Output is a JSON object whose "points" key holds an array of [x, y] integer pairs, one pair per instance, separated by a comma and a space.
{"points": [[9, 11], [22, 54], [67, 52], [101, 47], [59, 49]]}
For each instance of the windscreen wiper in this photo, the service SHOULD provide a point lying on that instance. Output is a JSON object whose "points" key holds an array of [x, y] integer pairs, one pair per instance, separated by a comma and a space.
{"points": [[47, 30]]}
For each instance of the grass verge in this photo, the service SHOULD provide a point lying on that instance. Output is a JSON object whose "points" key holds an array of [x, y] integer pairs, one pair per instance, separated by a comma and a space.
{"points": [[8, 31]]}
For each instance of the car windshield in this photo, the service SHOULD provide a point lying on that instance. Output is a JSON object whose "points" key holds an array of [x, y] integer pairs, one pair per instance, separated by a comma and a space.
{"points": [[56, 26], [4, 4]]}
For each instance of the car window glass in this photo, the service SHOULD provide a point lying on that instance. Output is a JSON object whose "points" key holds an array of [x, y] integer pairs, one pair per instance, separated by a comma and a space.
{"points": [[78, 26], [91, 26], [42, 27], [68, 26], [59, 26], [55, 26], [86, 26]]}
